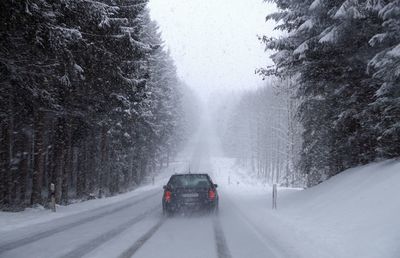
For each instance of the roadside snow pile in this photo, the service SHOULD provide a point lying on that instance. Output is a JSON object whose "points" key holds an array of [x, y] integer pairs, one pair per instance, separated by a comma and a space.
{"points": [[355, 214], [12, 220]]}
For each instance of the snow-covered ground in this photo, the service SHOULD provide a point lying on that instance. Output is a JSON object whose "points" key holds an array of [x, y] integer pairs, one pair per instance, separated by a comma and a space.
{"points": [[354, 214], [31, 216]]}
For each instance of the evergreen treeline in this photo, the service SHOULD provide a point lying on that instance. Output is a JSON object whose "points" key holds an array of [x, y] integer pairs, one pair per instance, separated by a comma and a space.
{"points": [[345, 57], [261, 132], [89, 99]]}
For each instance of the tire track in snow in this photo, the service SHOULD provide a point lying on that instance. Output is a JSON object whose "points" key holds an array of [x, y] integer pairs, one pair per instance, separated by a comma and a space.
{"points": [[220, 241], [94, 243], [141, 241], [271, 242], [36, 237]]}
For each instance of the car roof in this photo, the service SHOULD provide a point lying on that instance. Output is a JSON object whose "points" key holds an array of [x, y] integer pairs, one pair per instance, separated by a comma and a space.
{"points": [[191, 174]]}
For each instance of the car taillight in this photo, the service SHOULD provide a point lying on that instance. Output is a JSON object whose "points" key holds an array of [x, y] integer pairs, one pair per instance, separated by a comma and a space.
{"points": [[211, 194], [167, 196]]}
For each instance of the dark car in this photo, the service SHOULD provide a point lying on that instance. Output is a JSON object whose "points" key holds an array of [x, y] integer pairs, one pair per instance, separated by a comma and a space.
{"points": [[190, 192]]}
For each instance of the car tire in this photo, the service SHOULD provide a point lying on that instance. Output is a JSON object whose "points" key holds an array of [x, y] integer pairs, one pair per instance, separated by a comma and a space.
{"points": [[216, 209], [167, 213], [213, 210], [164, 210]]}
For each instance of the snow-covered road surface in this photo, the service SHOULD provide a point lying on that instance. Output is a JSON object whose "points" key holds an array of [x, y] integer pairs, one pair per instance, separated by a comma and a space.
{"points": [[310, 224], [135, 227], [354, 214]]}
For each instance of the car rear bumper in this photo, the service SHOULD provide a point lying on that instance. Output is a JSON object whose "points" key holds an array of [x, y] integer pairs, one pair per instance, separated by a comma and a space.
{"points": [[188, 205]]}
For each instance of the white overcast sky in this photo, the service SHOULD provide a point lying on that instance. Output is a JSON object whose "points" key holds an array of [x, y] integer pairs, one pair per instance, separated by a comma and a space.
{"points": [[214, 42]]}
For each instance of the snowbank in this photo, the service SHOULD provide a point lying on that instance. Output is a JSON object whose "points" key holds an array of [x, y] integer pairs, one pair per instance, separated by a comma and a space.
{"points": [[31, 216], [354, 214]]}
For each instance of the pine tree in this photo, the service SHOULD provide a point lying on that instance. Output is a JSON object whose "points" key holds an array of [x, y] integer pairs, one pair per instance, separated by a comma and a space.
{"points": [[327, 50], [77, 99], [384, 67]]}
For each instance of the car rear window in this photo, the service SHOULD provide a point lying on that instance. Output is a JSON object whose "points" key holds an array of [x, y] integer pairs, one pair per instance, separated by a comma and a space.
{"points": [[189, 181]]}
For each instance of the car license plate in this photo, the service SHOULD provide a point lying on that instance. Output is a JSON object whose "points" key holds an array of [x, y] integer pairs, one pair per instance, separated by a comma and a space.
{"points": [[190, 195]]}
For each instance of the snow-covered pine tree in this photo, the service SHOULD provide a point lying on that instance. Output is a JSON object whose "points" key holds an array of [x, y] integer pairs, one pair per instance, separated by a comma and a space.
{"points": [[75, 93], [327, 46], [304, 21], [165, 95], [30, 69], [385, 68], [341, 56]]}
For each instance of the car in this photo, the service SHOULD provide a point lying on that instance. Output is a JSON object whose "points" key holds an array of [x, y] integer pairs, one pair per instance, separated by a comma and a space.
{"points": [[190, 192]]}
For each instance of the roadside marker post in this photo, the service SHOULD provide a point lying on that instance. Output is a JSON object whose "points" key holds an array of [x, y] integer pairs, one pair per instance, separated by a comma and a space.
{"points": [[274, 196], [53, 197]]}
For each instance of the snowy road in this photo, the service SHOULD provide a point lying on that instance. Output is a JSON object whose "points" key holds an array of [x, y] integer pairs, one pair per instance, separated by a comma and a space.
{"points": [[132, 225], [308, 224], [135, 227]]}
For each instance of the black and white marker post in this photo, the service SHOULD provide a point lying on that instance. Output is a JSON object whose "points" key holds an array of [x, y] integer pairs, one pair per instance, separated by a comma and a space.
{"points": [[53, 197], [274, 196]]}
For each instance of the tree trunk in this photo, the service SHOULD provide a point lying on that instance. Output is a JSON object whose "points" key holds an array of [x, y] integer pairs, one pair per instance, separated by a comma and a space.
{"points": [[67, 167], [13, 155], [36, 195], [103, 173], [168, 156], [5, 164], [23, 168], [58, 157], [81, 173], [91, 163], [22, 145]]}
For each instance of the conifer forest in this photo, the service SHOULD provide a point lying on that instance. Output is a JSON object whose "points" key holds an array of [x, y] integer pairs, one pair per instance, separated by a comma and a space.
{"points": [[90, 99]]}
